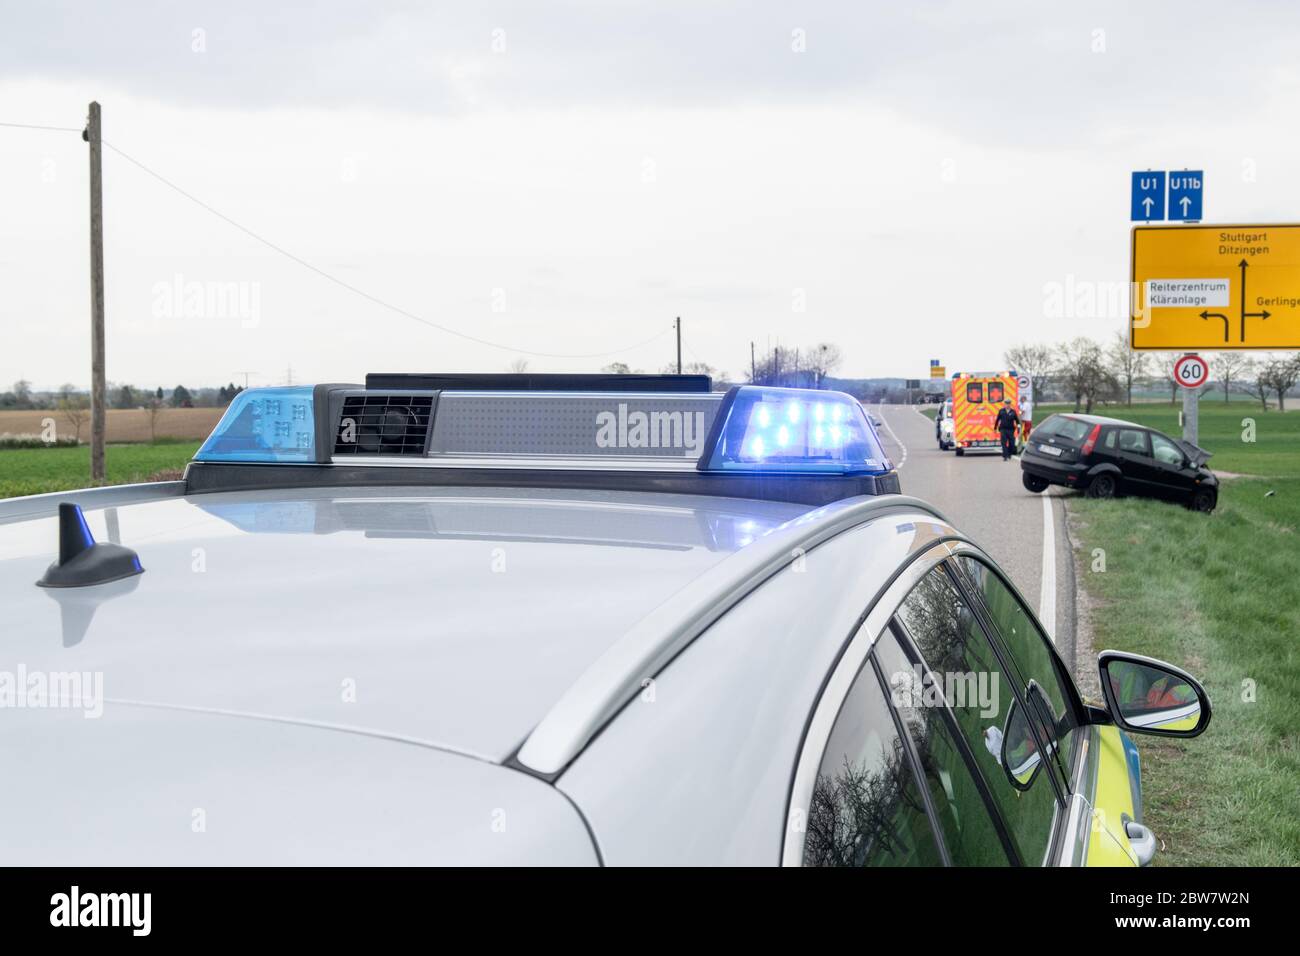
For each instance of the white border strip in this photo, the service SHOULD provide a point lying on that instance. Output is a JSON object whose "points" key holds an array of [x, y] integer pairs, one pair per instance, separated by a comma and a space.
{"points": [[1047, 586]]}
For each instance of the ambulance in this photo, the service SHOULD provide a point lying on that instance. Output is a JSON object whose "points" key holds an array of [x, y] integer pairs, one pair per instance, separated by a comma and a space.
{"points": [[976, 398]]}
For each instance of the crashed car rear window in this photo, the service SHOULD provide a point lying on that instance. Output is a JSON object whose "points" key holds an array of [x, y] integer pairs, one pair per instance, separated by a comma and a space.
{"points": [[1070, 429]]}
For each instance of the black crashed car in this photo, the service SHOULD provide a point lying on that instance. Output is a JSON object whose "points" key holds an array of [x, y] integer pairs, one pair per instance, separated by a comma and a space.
{"points": [[1105, 457]]}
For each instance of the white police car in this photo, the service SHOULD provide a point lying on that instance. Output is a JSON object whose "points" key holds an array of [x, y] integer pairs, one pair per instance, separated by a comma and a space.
{"points": [[529, 619]]}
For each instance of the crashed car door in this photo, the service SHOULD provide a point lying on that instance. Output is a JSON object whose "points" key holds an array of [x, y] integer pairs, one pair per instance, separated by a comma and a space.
{"points": [[1171, 471]]}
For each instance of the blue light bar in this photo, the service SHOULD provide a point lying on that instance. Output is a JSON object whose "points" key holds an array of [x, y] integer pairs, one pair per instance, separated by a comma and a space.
{"points": [[792, 431], [271, 425]]}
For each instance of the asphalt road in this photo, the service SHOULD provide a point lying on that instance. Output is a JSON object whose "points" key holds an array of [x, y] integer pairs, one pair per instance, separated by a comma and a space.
{"points": [[983, 496]]}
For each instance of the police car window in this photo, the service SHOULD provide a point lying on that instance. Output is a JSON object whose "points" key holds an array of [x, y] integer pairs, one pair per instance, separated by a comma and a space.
{"points": [[1166, 451], [1030, 655], [996, 392], [1133, 441], [866, 809], [959, 802], [975, 392], [955, 648]]}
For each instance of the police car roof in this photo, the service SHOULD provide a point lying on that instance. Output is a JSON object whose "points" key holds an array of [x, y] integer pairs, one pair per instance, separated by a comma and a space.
{"points": [[458, 617]]}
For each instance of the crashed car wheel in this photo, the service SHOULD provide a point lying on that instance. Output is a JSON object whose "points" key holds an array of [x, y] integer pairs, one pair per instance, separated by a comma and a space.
{"points": [[1034, 483], [1204, 500], [1103, 486]]}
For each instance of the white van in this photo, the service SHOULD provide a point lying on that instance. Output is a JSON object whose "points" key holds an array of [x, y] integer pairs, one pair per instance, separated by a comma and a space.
{"points": [[943, 426]]}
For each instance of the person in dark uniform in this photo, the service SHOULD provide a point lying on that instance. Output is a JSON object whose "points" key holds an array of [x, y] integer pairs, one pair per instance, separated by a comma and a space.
{"points": [[1007, 422]]}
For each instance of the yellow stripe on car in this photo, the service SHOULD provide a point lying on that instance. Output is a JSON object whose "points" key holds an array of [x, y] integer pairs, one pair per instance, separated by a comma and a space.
{"points": [[1108, 843]]}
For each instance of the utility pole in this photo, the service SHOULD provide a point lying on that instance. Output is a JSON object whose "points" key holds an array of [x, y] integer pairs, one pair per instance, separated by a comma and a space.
{"points": [[753, 364], [245, 374], [679, 345], [97, 382]]}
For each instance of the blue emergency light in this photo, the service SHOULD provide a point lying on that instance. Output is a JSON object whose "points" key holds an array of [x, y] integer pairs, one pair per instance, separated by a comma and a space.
{"points": [[763, 430], [267, 425]]}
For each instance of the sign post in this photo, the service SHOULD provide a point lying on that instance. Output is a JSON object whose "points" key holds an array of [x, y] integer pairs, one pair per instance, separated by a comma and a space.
{"points": [[1191, 409], [1191, 372]]}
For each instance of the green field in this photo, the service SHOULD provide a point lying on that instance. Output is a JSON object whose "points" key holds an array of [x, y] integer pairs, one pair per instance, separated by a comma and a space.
{"points": [[34, 471]]}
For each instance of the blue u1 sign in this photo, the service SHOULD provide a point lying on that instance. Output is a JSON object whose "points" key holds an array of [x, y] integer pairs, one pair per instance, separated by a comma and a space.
{"points": [[1148, 199], [1185, 190]]}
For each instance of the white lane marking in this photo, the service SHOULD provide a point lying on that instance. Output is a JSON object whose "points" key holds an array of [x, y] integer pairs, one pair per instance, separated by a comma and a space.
{"points": [[885, 421], [1047, 587]]}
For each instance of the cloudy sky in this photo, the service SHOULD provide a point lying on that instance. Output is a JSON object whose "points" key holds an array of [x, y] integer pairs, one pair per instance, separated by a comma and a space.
{"points": [[557, 181]]}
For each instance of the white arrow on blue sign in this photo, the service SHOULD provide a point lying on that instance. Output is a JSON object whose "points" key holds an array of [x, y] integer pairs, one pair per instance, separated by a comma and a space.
{"points": [[1185, 191], [1148, 198]]}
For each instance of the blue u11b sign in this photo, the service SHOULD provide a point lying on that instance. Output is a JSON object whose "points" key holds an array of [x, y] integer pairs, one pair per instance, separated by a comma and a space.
{"points": [[1148, 199], [1185, 190]]}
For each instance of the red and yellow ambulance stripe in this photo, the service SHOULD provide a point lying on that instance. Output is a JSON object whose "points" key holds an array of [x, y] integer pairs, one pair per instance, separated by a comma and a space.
{"points": [[973, 421]]}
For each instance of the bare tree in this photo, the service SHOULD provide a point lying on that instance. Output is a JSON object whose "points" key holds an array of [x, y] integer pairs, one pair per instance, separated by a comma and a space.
{"points": [[1036, 361], [153, 409], [1082, 372], [1281, 373], [75, 409], [822, 359], [1125, 364], [519, 366], [1227, 367], [1166, 364], [696, 368], [617, 368], [781, 366], [1254, 380]]}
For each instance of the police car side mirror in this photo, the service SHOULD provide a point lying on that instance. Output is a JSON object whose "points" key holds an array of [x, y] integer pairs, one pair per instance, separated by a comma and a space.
{"points": [[1018, 751], [1147, 696]]}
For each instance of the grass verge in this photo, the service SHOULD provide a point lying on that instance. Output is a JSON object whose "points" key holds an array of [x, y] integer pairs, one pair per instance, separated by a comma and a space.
{"points": [[34, 471], [1219, 595]]}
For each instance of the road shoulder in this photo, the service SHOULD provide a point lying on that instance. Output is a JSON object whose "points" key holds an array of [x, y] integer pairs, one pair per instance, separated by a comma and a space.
{"points": [[1082, 607]]}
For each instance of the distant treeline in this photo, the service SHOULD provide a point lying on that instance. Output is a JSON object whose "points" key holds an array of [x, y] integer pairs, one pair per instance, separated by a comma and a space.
{"points": [[22, 396]]}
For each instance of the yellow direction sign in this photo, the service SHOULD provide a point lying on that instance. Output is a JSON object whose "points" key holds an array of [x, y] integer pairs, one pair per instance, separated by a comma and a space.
{"points": [[1216, 288], [938, 371]]}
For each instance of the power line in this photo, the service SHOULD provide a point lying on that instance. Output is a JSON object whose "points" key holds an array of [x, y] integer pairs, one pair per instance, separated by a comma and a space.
{"points": [[334, 279], [57, 129], [366, 295]]}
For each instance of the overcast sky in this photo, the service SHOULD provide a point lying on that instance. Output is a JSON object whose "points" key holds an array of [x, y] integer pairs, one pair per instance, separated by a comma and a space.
{"points": [[909, 181]]}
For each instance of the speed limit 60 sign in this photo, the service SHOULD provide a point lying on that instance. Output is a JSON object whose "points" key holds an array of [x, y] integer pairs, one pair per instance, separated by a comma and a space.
{"points": [[1191, 371]]}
